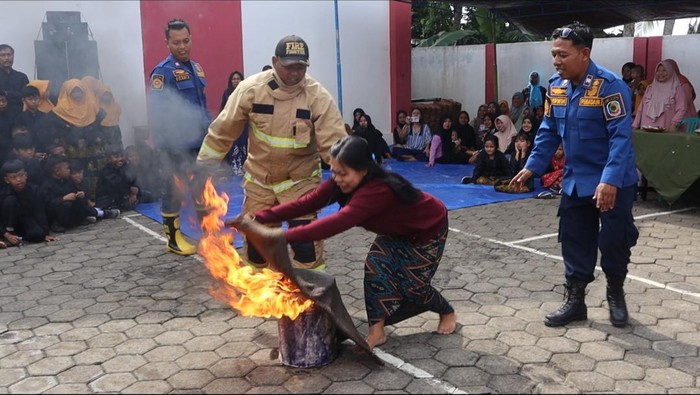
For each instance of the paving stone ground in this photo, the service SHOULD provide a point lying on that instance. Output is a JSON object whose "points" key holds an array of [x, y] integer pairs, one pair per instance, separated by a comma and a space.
{"points": [[106, 309]]}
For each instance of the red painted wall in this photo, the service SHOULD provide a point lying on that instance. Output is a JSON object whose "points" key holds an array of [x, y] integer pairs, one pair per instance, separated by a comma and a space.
{"points": [[400, 56], [217, 39], [647, 52], [654, 51], [490, 79]]}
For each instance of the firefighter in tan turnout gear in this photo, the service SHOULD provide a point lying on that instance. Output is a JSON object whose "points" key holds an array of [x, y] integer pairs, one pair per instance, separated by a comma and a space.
{"points": [[292, 123]]}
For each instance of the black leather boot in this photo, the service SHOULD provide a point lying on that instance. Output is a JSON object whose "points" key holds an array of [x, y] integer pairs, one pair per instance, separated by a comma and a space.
{"points": [[616, 301], [573, 309]]}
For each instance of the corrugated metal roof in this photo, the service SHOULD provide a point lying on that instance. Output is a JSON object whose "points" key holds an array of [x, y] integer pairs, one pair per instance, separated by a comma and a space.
{"points": [[542, 17]]}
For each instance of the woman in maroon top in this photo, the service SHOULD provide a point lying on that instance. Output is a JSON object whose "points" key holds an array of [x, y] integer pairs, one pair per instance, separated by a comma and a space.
{"points": [[411, 229]]}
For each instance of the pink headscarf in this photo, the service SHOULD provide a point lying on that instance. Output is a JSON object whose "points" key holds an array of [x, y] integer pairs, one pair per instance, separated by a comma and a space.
{"points": [[662, 93], [505, 137]]}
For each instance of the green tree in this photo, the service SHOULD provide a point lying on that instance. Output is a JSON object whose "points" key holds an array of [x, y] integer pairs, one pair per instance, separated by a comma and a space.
{"points": [[439, 23], [430, 18]]}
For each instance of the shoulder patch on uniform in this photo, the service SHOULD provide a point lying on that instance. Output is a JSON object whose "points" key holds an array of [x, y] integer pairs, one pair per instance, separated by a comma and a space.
{"points": [[200, 71], [547, 106], [614, 107], [157, 82], [596, 84]]}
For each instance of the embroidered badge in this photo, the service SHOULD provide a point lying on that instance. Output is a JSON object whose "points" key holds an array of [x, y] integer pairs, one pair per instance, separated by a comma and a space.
{"points": [[547, 107], [559, 101], [157, 82], [181, 75], [558, 91], [614, 107], [590, 102], [595, 89]]}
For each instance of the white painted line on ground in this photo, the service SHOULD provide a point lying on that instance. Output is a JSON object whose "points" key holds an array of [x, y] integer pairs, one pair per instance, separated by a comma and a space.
{"points": [[652, 283], [145, 229], [645, 216], [386, 357], [665, 213], [156, 235], [416, 372]]}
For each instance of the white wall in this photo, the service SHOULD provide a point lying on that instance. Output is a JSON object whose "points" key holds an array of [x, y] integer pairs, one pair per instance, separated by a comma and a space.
{"points": [[684, 50], [517, 60], [115, 25], [455, 73], [515, 63], [458, 72], [364, 47], [612, 53]]}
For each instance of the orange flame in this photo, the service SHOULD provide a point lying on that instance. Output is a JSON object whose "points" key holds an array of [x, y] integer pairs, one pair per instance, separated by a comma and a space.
{"points": [[260, 294]]}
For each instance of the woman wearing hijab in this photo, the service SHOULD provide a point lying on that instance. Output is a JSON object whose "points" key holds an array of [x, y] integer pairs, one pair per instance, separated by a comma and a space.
{"points": [[493, 108], [688, 90], [664, 105], [466, 134], [446, 146], [517, 107], [113, 111], [534, 93], [400, 132], [233, 80], [478, 120], [75, 123], [505, 131], [377, 145], [94, 88], [356, 113], [503, 107]]}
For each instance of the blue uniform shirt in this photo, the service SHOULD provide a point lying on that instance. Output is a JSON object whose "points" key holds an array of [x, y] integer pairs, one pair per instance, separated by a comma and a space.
{"points": [[594, 125], [177, 104]]}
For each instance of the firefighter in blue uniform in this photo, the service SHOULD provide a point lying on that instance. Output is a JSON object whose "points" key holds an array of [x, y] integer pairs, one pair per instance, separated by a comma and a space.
{"points": [[179, 120], [587, 110]]}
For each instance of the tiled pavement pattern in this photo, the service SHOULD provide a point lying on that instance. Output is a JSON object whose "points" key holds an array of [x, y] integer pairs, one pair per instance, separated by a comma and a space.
{"points": [[105, 309]]}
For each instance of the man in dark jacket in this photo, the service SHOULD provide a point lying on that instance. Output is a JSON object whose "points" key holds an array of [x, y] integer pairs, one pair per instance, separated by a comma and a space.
{"points": [[11, 80]]}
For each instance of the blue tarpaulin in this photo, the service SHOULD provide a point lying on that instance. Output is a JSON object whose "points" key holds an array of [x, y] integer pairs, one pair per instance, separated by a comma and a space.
{"points": [[441, 181]]}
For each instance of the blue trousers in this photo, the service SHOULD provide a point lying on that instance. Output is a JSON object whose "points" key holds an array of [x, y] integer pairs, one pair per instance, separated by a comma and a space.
{"points": [[583, 230]]}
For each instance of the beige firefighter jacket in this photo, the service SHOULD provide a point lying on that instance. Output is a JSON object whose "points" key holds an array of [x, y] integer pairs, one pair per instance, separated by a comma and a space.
{"points": [[288, 127]]}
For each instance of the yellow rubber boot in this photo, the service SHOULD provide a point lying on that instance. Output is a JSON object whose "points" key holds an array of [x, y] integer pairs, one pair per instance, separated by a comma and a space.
{"points": [[176, 241]]}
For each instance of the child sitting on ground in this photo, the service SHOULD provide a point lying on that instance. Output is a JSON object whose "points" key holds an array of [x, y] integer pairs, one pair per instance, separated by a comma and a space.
{"points": [[521, 151], [552, 179], [491, 165], [22, 211], [116, 188], [65, 207], [77, 180]]}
